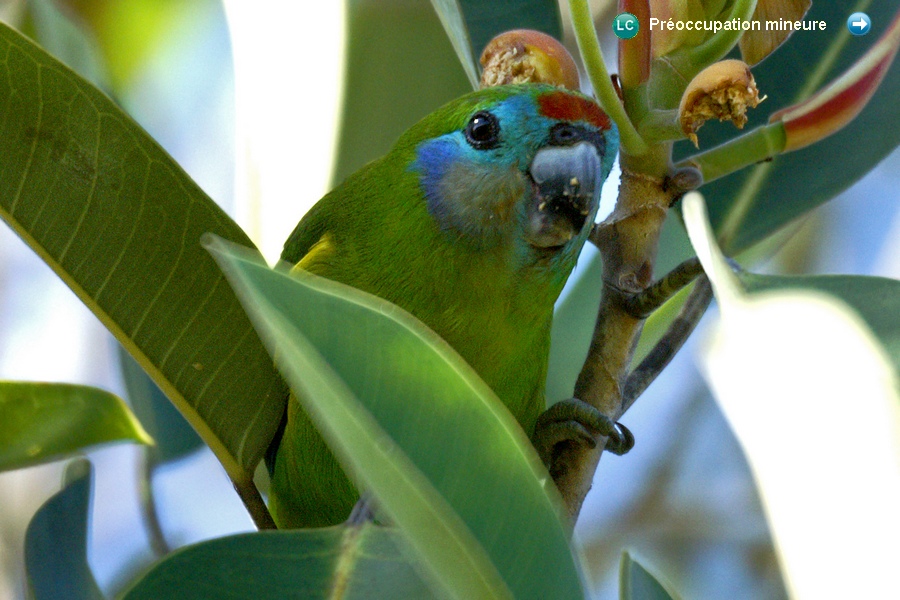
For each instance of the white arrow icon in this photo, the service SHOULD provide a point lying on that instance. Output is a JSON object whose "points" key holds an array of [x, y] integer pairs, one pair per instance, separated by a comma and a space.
{"points": [[861, 24]]}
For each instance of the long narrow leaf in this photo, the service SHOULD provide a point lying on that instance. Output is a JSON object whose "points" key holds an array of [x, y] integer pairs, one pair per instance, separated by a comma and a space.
{"points": [[120, 223], [403, 409], [786, 365], [399, 67], [450, 14]]}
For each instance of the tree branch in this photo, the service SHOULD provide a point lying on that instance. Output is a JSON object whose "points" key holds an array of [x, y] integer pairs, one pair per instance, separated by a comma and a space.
{"points": [[627, 241], [644, 303], [252, 499], [670, 343]]}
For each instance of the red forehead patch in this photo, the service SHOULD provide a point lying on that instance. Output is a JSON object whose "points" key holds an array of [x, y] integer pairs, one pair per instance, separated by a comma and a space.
{"points": [[568, 107]]}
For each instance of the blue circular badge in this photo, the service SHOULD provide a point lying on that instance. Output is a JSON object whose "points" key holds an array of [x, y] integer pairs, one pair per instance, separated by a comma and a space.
{"points": [[859, 23]]}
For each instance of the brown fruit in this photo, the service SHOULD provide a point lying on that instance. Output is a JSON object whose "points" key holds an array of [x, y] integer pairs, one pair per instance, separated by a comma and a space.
{"points": [[527, 56], [723, 91]]}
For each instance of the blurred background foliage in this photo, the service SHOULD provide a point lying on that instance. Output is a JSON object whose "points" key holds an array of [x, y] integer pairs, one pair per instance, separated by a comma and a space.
{"points": [[683, 500]]}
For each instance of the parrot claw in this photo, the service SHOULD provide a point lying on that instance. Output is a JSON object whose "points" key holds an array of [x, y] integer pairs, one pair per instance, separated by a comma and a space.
{"points": [[575, 421]]}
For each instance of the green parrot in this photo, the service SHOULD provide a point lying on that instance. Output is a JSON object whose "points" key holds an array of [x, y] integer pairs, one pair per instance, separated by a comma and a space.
{"points": [[472, 223]]}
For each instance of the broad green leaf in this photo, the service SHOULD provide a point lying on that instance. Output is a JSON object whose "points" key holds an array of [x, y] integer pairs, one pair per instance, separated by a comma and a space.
{"points": [[876, 299], [346, 562], [636, 583], [120, 223], [419, 428], [400, 67], [403, 492], [175, 438], [40, 422], [56, 542], [471, 24], [751, 204]]}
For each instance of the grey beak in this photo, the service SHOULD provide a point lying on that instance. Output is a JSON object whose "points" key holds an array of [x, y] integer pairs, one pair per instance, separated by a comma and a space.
{"points": [[567, 182]]}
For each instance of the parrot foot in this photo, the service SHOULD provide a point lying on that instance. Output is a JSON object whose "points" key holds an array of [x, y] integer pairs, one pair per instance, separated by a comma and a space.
{"points": [[576, 421]]}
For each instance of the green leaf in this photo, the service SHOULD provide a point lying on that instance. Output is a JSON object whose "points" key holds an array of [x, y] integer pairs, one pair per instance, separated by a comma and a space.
{"points": [[40, 422], [450, 14], [419, 429], [120, 223], [876, 299], [399, 67], [471, 24], [56, 542], [347, 562], [175, 438], [749, 205], [636, 583]]}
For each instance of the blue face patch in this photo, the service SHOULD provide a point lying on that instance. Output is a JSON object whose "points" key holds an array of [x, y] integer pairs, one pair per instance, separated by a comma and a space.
{"points": [[433, 160], [467, 191]]}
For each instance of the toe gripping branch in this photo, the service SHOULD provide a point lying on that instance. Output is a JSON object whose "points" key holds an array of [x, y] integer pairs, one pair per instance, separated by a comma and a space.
{"points": [[574, 421]]}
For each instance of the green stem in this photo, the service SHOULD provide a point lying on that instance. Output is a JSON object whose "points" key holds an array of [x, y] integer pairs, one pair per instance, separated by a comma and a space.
{"points": [[660, 126], [589, 46], [760, 144], [251, 498], [149, 513], [693, 60]]}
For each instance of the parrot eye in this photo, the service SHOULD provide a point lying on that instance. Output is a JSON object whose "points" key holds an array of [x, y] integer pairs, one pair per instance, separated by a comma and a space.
{"points": [[483, 131]]}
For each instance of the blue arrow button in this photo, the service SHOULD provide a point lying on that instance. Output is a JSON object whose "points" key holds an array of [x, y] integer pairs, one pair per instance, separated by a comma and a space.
{"points": [[859, 23]]}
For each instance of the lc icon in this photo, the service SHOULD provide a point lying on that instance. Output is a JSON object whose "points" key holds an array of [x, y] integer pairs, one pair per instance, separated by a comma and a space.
{"points": [[626, 26]]}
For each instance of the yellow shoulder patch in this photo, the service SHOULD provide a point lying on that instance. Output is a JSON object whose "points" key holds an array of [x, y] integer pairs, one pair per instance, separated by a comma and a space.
{"points": [[320, 251]]}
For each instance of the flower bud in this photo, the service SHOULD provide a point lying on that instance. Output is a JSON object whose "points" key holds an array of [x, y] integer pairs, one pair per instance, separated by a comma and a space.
{"points": [[527, 56], [723, 91]]}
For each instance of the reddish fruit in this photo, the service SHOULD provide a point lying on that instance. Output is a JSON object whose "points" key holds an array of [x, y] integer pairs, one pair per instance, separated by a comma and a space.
{"points": [[528, 56]]}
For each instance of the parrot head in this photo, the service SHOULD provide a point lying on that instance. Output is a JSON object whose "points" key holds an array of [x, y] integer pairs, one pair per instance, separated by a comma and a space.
{"points": [[517, 165]]}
